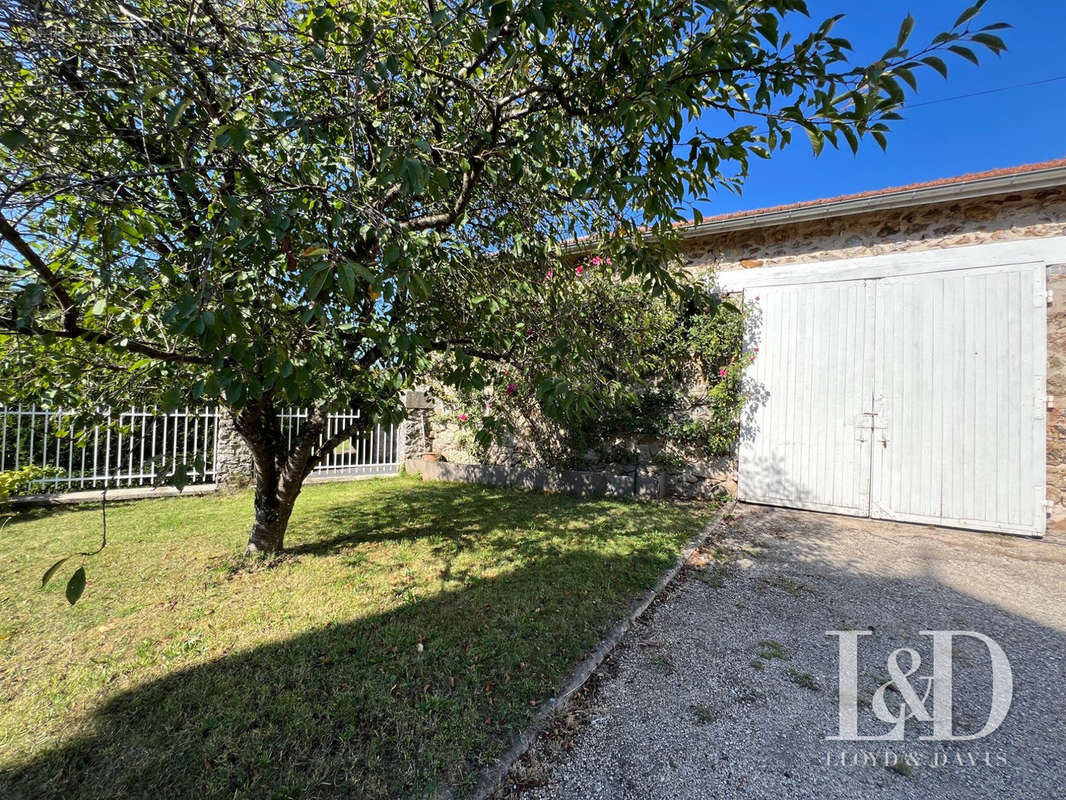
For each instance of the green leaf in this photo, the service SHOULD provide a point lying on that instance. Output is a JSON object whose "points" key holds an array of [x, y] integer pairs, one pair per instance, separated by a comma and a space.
{"points": [[907, 76], [48, 573], [905, 29], [817, 140], [969, 13], [76, 585], [936, 63], [180, 479], [176, 111], [13, 139], [99, 308], [991, 41], [323, 26], [347, 279], [965, 52]]}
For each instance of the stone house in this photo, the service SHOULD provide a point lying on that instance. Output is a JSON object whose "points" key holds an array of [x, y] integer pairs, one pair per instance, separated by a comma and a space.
{"points": [[910, 350]]}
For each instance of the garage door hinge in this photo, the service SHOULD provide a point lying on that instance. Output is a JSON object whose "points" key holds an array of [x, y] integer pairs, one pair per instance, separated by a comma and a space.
{"points": [[1049, 296], [1050, 402], [1048, 505]]}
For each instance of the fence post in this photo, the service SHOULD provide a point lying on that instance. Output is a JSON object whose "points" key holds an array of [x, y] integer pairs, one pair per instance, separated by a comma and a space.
{"points": [[233, 459], [415, 434]]}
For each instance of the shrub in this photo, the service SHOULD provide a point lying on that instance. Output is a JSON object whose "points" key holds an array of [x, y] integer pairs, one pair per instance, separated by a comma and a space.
{"points": [[667, 367], [19, 481]]}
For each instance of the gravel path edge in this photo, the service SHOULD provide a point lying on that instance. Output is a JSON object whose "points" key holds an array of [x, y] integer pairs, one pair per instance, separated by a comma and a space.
{"points": [[492, 777]]}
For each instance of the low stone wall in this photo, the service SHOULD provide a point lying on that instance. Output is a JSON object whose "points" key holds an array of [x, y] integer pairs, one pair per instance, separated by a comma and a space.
{"points": [[579, 483]]}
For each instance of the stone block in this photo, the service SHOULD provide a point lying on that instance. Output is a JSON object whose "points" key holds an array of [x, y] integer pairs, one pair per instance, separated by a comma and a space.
{"points": [[619, 485], [415, 399], [651, 484], [583, 484], [529, 479]]}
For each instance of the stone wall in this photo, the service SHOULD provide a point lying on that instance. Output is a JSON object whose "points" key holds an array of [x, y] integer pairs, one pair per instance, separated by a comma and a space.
{"points": [[1056, 387], [233, 459], [1022, 215], [683, 479]]}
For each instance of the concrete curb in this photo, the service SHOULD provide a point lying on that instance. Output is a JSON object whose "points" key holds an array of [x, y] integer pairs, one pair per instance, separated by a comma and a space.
{"points": [[158, 492], [493, 776]]}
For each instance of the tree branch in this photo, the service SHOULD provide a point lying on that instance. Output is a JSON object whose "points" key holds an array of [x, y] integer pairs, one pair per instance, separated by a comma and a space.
{"points": [[72, 328]]}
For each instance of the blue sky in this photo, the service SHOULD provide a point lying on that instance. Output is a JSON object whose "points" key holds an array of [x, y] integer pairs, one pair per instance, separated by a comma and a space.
{"points": [[942, 139]]}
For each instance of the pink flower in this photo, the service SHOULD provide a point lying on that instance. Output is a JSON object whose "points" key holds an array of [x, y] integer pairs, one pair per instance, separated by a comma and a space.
{"points": [[579, 269], [721, 372], [607, 261], [511, 388], [463, 417], [596, 261]]}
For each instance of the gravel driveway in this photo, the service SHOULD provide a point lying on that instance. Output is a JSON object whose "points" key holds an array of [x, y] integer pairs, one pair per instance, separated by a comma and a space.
{"points": [[728, 688]]}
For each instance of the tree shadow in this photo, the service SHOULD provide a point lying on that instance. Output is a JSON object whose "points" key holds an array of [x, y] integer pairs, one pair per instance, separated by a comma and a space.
{"points": [[748, 696], [458, 513], [398, 704]]}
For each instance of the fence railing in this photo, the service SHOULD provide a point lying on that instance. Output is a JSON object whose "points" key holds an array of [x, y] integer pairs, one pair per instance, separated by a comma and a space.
{"points": [[142, 446], [372, 452]]}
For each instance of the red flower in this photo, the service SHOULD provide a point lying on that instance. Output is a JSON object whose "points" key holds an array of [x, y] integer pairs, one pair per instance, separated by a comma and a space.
{"points": [[511, 388], [579, 269], [463, 417]]}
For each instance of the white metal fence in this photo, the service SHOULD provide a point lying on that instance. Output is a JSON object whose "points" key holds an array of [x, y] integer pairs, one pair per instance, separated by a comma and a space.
{"points": [[141, 446], [372, 452]]}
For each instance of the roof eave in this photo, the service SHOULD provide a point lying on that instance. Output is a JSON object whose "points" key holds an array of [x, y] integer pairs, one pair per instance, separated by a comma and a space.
{"points": [[903, 198]]}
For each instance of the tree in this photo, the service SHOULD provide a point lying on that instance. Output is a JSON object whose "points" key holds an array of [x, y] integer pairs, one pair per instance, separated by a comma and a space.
{"points": [[669, 368], [282, 203]]}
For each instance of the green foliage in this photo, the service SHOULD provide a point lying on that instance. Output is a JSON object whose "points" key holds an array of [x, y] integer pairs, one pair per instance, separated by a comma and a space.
{"points": [[617, 365], [21, 481], [258, 198]]}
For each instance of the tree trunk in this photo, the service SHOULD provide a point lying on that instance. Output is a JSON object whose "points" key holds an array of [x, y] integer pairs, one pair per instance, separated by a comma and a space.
{"points": [[259, 425], [271, 520], [280, 470]]}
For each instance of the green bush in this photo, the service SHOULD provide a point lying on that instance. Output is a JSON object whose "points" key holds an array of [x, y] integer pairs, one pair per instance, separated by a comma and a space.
{"points": [[613, 362], [19, 481]]}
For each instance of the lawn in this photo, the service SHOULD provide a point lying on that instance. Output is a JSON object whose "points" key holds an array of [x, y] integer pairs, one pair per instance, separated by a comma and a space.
{"points": [[412, 630]]}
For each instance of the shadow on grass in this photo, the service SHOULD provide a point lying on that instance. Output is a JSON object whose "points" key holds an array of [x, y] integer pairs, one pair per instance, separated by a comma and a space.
{"points": [[401, 703], [459, 512]]}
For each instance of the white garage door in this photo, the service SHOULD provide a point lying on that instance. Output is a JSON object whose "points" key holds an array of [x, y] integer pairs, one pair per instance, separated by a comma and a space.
{"points": [[918, 398]]}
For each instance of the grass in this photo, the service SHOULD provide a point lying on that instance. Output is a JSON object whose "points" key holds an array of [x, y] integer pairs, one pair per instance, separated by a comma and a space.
{"points": [[705, 714], [770, 649], [803, 679], [413, 629]]}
